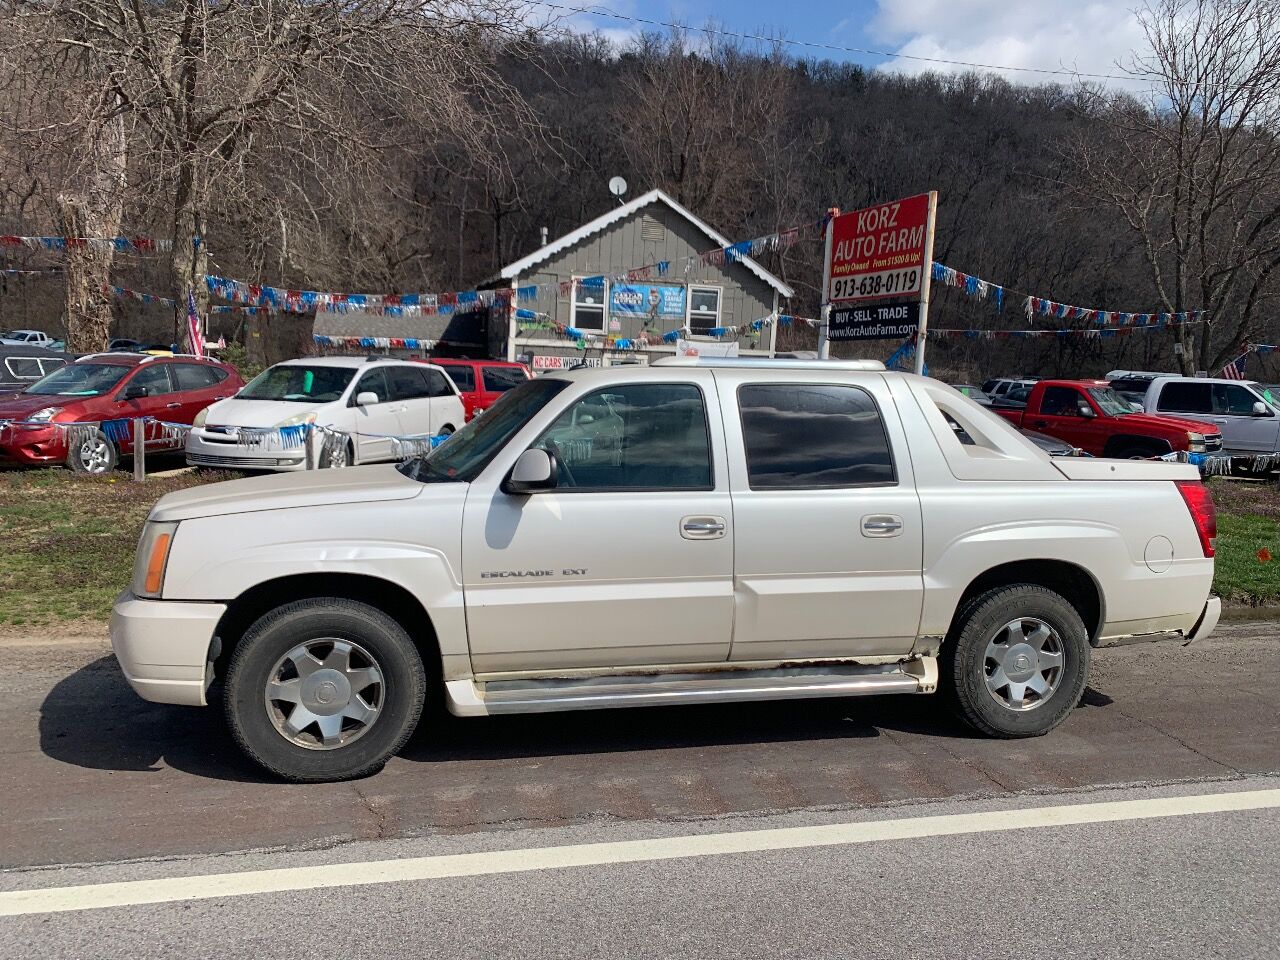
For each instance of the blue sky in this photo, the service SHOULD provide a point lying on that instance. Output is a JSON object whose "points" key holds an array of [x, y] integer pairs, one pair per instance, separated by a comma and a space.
{"points": [[1090, 36]]}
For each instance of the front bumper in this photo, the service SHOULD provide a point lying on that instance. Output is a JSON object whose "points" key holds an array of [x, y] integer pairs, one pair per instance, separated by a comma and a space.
{"points": [[202, 452], [163, 647], [32, 445]]}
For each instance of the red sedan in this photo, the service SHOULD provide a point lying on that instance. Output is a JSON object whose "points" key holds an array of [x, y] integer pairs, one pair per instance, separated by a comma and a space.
{"points": [[101, 388]]}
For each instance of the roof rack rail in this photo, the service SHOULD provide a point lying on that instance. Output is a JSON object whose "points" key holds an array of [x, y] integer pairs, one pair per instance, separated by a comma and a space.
{"points": [[373, 358], [771, 362]]}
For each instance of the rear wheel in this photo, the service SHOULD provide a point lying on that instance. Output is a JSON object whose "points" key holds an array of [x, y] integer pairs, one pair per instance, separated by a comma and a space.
{"points": [[92, 453], [1017, 661], [324, 689]]}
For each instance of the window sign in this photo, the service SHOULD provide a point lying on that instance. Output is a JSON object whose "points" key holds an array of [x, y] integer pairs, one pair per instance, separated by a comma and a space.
{"points": [[647, 300]]}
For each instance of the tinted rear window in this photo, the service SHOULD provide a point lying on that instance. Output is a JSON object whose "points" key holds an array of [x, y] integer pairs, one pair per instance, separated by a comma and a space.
{"points": [[1186, 397], [502, 379], [464, 377], [813, 435]]}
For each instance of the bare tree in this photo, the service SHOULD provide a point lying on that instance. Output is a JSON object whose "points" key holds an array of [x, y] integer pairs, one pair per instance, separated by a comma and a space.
{"points": [[215, 86], [1194, 167]]}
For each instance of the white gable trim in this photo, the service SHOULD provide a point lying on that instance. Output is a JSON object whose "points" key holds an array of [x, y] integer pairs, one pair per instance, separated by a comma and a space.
{"points": [[522, 267]]}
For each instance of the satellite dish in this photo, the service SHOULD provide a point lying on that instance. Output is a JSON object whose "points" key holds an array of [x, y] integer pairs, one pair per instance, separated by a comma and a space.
{"points": [[618, 186]]}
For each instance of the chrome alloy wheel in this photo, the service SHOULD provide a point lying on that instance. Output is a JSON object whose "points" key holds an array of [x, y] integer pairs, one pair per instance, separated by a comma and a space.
{"points": [[325, 693], [1023, 664], [95, 455]]}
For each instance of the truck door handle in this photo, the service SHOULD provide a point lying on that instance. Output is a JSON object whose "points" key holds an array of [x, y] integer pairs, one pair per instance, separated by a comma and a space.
{"points": [[881, 525], [702, 528], [172, 406]]}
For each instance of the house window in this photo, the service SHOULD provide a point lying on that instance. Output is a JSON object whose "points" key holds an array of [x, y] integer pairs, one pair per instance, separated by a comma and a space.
{"points": [[588, 304], [704, 308]]}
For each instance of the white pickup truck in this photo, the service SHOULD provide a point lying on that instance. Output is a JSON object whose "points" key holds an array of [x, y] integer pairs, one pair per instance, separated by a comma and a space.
{"points": [[681, 533]]}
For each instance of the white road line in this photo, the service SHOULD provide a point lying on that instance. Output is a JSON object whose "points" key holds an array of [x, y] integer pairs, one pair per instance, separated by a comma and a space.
{"points": [[172, 889]]}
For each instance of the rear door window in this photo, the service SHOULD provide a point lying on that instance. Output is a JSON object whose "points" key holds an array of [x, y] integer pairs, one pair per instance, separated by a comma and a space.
{"points": [[463, 376], [502, 379], [813, 436], [439, 384], [197, 376], [1185, 397]]}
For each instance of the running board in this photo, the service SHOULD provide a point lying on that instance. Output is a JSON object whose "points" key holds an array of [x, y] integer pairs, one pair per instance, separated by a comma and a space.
{"points": [[469, 698]]}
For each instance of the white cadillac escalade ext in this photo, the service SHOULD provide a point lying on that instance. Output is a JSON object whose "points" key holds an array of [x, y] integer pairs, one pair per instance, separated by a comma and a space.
{"points": [[681, 533]]}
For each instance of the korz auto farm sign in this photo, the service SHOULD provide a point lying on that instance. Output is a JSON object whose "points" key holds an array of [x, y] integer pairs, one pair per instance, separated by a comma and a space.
{"points": [[880, 252]]}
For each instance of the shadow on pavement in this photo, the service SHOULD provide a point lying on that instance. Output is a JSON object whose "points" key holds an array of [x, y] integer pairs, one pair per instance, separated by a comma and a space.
{"points": [[92, 719]]}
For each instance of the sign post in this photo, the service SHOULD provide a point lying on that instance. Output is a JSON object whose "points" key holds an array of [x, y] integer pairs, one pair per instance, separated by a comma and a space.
{"points": [[824, 315], [877, 270], [922, 332]]}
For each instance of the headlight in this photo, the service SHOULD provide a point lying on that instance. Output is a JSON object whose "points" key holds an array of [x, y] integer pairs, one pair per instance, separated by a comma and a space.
{"points": [[297, 421], [1195, 442], [152, 558], [201, 417], [45, 415]]}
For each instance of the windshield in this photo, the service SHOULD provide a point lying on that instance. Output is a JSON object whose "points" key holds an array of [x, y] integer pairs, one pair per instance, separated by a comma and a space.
{"points": [[469, 451], [299, 382], [80, 380], [1112, 404]]}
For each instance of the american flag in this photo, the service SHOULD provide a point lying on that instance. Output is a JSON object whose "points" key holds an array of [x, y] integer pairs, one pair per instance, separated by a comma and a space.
{"points": [[193, 326], [1235, 369]]}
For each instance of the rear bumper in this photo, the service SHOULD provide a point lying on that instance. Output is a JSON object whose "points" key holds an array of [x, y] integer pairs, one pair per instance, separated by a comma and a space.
{"points": [[1208, 621], [163, 647]]}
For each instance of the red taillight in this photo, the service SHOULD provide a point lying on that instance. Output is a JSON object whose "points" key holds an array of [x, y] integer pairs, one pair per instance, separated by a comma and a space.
{"points": [[1200, 502]]}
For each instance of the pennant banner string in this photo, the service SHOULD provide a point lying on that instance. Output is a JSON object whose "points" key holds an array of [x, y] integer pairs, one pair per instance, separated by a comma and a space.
{"points": [[1034, 306]]}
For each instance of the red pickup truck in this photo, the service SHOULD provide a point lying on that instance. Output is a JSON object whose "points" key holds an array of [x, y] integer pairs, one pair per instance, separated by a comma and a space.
{"points": [[1092, 416]]}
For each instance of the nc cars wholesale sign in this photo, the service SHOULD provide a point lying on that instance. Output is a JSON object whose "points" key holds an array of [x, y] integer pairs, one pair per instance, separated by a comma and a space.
{"points": [[880, 251]]}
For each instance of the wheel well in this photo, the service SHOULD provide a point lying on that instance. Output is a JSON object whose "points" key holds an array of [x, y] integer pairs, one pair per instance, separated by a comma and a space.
{"points": [[1072, 582], [386, 596]]}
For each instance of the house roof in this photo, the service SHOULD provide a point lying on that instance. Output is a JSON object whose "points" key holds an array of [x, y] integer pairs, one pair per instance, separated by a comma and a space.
{"points": [[621, 212]]}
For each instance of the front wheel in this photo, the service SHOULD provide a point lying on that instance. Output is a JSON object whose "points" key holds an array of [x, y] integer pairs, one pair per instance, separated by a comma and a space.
{"points": [[1017, 661], [324, 689], [92, 453]]}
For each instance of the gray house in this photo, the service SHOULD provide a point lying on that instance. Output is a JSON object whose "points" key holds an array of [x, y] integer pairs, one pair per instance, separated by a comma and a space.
{"points": [[647, 293]]}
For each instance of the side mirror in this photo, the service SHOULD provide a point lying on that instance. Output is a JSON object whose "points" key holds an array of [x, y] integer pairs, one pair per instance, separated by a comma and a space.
{"points": [[366, 398], [535, 470], [1087, 411], [1260, 409], [135, 391]]}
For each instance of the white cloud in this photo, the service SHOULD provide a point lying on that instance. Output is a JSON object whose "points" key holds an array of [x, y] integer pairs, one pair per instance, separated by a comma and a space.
{"points": [[1041, 34]]}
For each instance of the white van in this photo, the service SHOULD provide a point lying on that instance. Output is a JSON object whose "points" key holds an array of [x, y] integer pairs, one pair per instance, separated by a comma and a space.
{"points": [[367, 401]]}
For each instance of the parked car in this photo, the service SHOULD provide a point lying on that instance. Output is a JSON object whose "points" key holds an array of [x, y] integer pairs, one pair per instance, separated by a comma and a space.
{"points": [[996, 388], [1090, 415], [974, 393], [1052, 445], [1250, 424], [369, 399], [107, 387], [21, 366], [32, 338], [481, 382], [1015, 398], [774, 530]]}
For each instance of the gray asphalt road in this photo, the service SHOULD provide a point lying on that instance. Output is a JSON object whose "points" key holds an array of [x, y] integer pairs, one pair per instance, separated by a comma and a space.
{"points": [[1159, 885], [92, 773]]}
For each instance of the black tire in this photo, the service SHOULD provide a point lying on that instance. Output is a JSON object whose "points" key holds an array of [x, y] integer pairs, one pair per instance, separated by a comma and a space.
{"points": [[254, 722], [964, 667], [92, 455], [446, 430]]}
